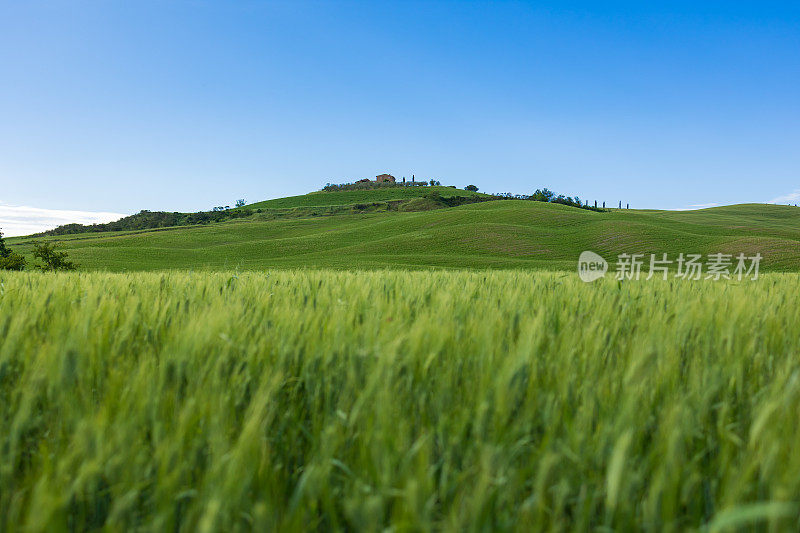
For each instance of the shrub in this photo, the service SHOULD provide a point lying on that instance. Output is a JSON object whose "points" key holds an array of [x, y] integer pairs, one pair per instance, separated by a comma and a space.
{"points": [[52, 258], [12, 261], [9, 260]]}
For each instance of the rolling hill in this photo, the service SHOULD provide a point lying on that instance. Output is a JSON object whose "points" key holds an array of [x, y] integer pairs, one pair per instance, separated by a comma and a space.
{"points": [[340, 198], [494, 234]]}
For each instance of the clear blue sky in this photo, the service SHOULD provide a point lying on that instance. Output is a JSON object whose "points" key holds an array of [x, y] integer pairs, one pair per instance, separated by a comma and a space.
{"points": [[120, 106]]}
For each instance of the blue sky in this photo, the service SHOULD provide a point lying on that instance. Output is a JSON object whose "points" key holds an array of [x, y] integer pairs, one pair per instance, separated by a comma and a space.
{"points": [[119, 106]]}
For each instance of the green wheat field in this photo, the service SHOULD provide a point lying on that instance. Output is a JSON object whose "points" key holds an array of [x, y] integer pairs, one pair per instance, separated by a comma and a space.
{"points": [[397, 400]]}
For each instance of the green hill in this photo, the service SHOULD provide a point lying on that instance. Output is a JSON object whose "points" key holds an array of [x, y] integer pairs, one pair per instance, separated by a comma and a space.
{"points": [[369, 199], [334, 198], [496, 234]]}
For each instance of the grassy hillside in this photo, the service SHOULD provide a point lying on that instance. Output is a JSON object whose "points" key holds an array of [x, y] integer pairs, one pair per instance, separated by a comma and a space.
{"points": [[504, 234], [320, 198], [376, 199], [397, 401]]}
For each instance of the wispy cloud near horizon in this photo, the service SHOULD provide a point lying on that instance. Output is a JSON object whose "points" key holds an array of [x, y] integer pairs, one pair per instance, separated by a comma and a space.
{"points": [[694, 207], [19, 220], [791, 198]]}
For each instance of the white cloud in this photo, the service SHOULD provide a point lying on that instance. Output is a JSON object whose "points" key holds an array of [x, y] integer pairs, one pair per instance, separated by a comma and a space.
{"points": [[791, 198], [23, 220], [694, 206], [703, 206]]}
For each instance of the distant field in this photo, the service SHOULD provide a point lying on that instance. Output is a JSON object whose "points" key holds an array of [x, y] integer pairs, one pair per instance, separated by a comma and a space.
{"points": [[319, 199], [368, 401], [498, 234]]}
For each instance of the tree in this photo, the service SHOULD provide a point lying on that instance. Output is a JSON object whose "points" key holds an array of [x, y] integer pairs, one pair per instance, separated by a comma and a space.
{"points": [[472, 188], [10, 260], [13, 261], [543, 195], [241, 203], [52, 258]]}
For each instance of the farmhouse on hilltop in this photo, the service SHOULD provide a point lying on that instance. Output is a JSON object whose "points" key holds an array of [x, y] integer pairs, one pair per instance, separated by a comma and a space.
{"points": [[383, 178]]}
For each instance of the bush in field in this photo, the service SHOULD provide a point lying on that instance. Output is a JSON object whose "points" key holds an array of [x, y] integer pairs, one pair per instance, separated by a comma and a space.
{"points": [[472, 188], [13, 261], [9, 260], [52, 258]]}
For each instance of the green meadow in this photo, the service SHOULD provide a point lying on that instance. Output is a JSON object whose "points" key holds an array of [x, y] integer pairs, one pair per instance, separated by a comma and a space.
{"points": [[397, 400], [506, 234]]}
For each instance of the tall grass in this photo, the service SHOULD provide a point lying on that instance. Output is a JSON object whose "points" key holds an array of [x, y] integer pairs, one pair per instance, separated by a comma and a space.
{"points": [[418, 401]]}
